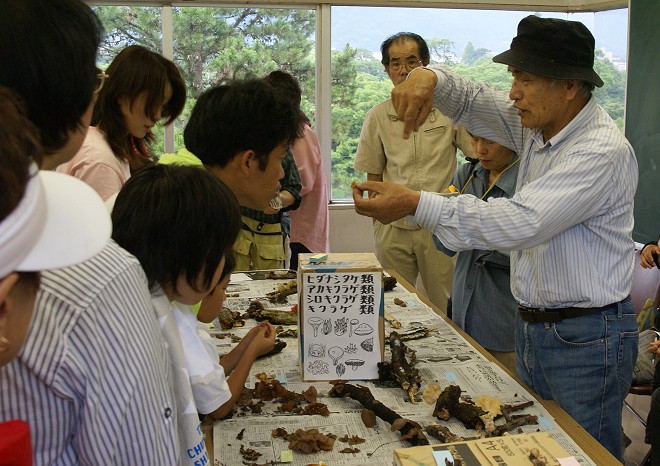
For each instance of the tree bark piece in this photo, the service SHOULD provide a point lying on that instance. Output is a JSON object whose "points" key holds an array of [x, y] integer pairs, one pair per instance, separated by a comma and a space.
{"points": [[409, 430], [402, 369]]}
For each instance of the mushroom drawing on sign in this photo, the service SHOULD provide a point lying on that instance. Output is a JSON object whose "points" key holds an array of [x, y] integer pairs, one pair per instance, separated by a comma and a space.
{"points": [[351, 348], [363, 329], [354, 322], [336, 353], [316, 350], [315, 322], [354, 363], [341, 325], [327, 326], [368, 345], [318, 367]]}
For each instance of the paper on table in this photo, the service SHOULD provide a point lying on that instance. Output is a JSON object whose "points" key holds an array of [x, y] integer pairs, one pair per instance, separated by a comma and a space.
{"points": [[240, 277], [443, 357]]}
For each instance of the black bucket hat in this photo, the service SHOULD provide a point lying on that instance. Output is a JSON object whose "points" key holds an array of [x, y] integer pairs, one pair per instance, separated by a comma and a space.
{"points": [[552, 48]]}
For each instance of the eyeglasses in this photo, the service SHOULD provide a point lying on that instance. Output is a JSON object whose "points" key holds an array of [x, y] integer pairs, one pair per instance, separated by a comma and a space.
{"points": [[100, 80], [408, 64]]}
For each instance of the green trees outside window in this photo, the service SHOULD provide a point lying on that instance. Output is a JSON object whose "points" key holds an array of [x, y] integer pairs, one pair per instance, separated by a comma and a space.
{"points": [[215, 44]]}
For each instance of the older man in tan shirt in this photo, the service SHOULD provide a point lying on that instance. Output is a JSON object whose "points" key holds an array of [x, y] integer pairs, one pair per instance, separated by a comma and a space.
{"points": [[427, 161]]}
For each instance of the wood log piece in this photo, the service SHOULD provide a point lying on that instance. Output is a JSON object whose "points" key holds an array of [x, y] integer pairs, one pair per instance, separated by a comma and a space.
{"points": [[410, 430]]}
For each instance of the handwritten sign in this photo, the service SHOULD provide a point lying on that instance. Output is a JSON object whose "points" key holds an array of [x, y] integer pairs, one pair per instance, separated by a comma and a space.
{"points": [[341, 325]]}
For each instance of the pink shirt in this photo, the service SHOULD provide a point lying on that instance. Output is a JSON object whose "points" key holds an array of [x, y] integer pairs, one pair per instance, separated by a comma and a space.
{"points": [[96, 165], [309, 223]]}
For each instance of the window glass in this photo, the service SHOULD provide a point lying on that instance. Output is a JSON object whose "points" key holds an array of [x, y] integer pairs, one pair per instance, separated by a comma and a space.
{"points": [[464, 40], [211, 45]]}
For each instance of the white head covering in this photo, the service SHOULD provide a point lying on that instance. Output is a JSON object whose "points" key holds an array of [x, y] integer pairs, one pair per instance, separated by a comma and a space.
{"points": [[60, 221]]}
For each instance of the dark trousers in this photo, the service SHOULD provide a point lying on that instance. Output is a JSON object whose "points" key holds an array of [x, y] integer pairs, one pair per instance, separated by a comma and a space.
{"points": [[653, 421], [296, 248]]}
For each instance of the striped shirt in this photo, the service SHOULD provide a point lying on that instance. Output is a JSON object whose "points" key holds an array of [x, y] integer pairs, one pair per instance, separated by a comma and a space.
{"points": [[93, 379], [569, 225]]}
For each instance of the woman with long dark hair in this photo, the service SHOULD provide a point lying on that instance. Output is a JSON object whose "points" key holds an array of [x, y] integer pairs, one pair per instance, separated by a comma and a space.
{"points": [[141, 89]]}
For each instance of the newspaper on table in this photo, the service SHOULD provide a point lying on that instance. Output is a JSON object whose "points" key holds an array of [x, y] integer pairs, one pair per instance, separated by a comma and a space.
{"points": [[443, 357]]}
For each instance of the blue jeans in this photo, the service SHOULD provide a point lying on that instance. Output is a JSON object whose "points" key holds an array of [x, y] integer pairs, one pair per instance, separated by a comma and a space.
{"points": [[585, 364]]}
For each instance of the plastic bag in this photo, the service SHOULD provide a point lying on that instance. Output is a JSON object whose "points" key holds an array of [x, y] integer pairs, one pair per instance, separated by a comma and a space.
{"points": [[645, 365]]}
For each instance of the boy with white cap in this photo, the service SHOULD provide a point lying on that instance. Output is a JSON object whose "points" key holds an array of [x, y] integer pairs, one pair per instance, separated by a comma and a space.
{"points": [[93, 378], [36, 219]]}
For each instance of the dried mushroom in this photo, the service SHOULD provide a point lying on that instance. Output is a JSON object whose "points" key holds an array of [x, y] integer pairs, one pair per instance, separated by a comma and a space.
{"points": [[310, 441], [389, 283], [431, 393], [282, 291], [400, 302], [368, 417], [490, 404], [279, 432], [280, 275], [350, 450], [249, 454]]}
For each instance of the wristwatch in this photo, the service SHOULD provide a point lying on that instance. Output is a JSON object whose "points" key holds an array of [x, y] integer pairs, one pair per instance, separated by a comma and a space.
{"points": [[276, 202]]}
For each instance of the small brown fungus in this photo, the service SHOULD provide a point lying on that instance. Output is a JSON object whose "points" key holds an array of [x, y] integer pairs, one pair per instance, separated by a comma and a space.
{"points": [[311, 440], [368, 417]]}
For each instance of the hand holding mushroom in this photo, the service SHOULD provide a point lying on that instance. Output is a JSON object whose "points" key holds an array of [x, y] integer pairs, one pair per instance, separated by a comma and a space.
{"points": [[263, 339]]}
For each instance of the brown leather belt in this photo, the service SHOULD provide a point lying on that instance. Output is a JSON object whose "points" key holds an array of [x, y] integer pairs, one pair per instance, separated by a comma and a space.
{"points": [[535, 314]]}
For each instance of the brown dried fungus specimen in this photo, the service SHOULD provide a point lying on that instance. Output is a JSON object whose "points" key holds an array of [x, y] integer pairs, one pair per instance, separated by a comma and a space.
{"points": [[229, 319], [350, 450], [273, 390], [311, 394], [249, 454], [268, 391], [282, 291], [277, 348], [316, 408], [279, 432], [442, 433], [280, 275], [310, 441], [389, 283], [368, 417], [431, 393], [288, 333], [354, 440], [234, 338], [537, 458], [258, 312]]}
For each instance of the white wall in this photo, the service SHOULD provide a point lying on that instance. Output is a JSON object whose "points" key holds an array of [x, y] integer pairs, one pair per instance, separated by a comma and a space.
{"points": [[350, 232]]}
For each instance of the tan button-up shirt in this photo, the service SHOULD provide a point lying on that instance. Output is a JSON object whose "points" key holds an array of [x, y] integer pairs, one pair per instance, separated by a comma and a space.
{"points": [[425, 161]]}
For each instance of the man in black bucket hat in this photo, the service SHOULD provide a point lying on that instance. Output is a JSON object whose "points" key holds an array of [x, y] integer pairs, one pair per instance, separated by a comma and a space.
{"points": [[553, 48], [568, 227]]}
